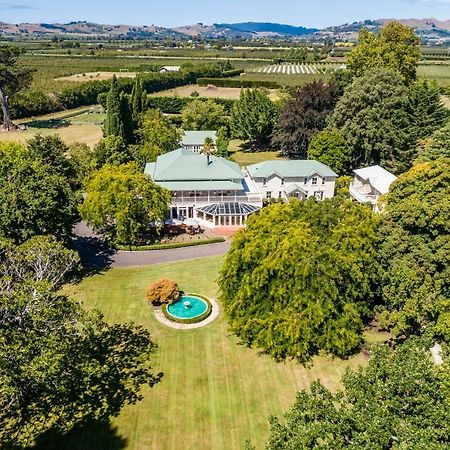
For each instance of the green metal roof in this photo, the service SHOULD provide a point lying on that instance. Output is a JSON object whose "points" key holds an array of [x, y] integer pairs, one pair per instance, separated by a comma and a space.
{"points": [[200, 185], [185, 165], [198, 137], [290, 169]]}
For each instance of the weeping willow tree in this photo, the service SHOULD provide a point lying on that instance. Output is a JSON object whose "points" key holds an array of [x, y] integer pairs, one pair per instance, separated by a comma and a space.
{"points": [[302, 278]]}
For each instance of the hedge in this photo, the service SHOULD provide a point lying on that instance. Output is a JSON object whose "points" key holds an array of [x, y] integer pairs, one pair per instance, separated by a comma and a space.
{"points": [[87, 93], [168, 246], [198, 319], [237, 83], [174, 105]]}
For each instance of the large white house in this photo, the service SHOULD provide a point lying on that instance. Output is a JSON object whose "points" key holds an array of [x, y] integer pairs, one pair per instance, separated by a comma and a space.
{"points": [[214, 191], [370, 183], [299, 178]]}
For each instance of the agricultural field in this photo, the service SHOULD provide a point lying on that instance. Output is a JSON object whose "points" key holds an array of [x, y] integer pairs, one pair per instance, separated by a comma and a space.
{"points": [[207, 92], [438, 72], [214, 394], [299, 68], [282, 79], [99, 76], [80, 125]]}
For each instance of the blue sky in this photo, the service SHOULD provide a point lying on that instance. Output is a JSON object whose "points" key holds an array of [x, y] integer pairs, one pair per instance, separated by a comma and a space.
{"points": [[311, 13]]}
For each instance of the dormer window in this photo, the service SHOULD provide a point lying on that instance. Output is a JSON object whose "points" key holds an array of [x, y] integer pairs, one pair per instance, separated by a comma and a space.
{"points": [[282, 182], [314, 181], [305, 181]]}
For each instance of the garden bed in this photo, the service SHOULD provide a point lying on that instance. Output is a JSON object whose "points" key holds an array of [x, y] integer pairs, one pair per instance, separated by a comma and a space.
{"points": [[170, 245]]}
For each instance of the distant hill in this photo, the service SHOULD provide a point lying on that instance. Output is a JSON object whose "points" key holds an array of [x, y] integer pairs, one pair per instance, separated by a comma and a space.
{"points": [[267, 28], [430, 30]]}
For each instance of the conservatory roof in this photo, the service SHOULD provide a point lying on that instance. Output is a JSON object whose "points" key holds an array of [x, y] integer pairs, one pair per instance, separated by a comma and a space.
{"points": [[229, 209]]}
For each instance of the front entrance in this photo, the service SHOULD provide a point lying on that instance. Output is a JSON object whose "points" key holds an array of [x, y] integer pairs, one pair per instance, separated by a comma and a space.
{"points": [[182, 213]]}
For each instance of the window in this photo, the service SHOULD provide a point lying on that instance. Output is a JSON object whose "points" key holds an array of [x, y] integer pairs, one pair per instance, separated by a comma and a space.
{"points": [[268, 194], [323, 180], [318, 195], [280, 194], [314, 181], [282, 182], [306, 195], [305, 181], [265, 182]]}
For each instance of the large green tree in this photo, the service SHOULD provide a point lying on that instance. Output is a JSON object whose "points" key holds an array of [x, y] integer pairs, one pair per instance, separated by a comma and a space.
{"points": [[302, 117], [156, 135], [61, 365], [301, 278], [13, 78], [415, 252], [253, 117], [35, 198], [400, 401], [123, 202], [330, 148], [112, 150], [203, 115], [371, 117], [436, 146], [396, 48]]}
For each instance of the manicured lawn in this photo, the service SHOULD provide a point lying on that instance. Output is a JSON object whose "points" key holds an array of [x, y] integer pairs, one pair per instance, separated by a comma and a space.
{"points": [[244, 158], [215, 394], [85, 127]]}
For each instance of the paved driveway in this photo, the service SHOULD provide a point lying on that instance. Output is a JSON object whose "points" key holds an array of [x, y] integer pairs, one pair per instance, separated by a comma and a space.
{"points": [[95, 253], [130, 259]]}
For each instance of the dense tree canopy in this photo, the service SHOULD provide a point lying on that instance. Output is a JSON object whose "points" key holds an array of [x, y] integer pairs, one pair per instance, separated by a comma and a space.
{"points": [[203, 115], [400, 401], [156, 136], [371, 116], [415, 252], [61, 365], [253, 117], [303, 116], [13, 78], [302, 278], [123, 202], [34, 197], [396, 48], [112, 150], [438, 145], [330, 148]]}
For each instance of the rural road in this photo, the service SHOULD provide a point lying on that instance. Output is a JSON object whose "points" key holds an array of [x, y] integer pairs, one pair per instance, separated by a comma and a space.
{"points": [[95, 253]]}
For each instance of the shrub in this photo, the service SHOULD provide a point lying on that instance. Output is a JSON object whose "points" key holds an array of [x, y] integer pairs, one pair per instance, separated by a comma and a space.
{"points": [[169, 245], [163, 291]]}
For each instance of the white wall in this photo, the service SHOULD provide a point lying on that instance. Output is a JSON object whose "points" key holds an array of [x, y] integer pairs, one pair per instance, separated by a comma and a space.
{"points": [[274, 185]]}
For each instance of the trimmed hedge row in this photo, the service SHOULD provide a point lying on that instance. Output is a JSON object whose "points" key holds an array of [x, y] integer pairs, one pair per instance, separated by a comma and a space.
{"points": [[34, 103], [141, 248], [237, 83], [174, 105], [198, 319]]}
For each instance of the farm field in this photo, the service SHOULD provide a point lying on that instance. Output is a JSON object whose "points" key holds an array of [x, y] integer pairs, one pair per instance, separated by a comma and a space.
{"points": [[438, 72], [215, 394], [282, 79], [81, 125], [100, 76], [298, 68], [207, 92]]}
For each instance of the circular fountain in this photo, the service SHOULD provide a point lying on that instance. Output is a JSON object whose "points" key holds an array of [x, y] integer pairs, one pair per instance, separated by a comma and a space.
{"points": [[189, 308]]}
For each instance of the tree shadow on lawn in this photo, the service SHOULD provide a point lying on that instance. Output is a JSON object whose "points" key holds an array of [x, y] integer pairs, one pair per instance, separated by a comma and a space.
{"points": [[91, 436], [51, 123]]}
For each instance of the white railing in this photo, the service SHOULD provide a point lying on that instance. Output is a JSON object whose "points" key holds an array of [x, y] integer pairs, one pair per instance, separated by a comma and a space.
{"points": [[362, 196]]}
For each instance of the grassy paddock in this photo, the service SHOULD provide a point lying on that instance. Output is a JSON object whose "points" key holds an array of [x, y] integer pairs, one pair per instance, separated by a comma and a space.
{"points": [[214, 393]]}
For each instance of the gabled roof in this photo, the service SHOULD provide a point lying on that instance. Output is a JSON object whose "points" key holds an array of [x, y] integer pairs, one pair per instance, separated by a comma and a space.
{"points": [[379, 178], [185, 165], [293, 188], [290, 169], [198, 137]]}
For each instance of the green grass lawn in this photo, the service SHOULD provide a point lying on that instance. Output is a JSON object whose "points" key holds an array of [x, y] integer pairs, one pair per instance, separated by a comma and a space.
{"points": [[245, 158], [215, 393], [437, 72]]}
